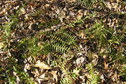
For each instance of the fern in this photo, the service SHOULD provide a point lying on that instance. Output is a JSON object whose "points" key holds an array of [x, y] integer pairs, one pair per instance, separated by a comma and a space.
{"points": [[63, 38], [52, 48], [60, 42]]}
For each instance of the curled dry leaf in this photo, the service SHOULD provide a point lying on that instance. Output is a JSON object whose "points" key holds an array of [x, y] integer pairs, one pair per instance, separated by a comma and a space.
{"points": [[80, 60], [79, 14], [42, 65]]}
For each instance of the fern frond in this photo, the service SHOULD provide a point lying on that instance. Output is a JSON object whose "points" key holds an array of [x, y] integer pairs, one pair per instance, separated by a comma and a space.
{"points": [[59, 42], [60, 48], [56, 47], [63, 38]]}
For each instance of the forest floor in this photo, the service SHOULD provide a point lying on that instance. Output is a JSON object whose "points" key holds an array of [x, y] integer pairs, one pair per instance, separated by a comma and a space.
{"points": [[62, 42]]}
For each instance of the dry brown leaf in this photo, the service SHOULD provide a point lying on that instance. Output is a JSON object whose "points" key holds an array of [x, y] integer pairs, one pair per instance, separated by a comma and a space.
{"points": [[105, 62], [80, 61], [36, 73], [1, 45], [54, 73], [71, 0], [79, 14], [42, 65]]}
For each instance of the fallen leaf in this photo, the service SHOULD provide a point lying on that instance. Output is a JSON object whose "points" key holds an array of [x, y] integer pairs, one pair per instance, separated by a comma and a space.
{"points": [[42, 65], [1, 45], [79, 14]]}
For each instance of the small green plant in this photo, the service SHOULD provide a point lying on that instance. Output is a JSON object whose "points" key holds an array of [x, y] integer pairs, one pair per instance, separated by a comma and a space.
{"points": [[65, 80], [95, 78], [87, 3], [99, 34], [8, 27], [123, 74]]}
